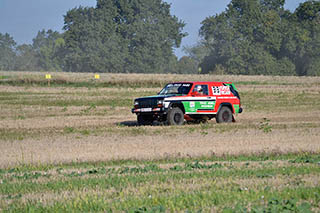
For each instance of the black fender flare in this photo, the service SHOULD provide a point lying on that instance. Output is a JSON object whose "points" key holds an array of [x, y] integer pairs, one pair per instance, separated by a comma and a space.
{"points": [[177, 104]]}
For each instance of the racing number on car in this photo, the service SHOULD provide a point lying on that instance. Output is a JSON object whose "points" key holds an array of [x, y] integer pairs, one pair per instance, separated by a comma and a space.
{"points": [[216, 90]]}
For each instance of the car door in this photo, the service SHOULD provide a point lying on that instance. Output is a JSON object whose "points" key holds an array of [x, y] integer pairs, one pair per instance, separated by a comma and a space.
{"points": [[204, 102]]}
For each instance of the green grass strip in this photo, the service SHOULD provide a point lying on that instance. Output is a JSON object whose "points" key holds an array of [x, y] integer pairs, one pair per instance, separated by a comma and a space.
{"points": [[133, 179], [213, 198]]}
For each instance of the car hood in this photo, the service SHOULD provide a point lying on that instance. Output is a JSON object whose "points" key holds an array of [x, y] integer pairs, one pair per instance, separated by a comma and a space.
{"points": [[156, 97]]}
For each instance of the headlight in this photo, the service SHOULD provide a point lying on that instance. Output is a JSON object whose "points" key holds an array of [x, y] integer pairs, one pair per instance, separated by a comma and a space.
{"points": [[136, 102], [160, 102]]}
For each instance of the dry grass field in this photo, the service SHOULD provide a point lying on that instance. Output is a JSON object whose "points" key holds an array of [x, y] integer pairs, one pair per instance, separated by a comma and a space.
{"points": [[81, 120], [62, 123]]}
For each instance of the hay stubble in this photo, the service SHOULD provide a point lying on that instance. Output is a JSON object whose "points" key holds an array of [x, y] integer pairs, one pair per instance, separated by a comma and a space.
{"points": [[83, 129]]}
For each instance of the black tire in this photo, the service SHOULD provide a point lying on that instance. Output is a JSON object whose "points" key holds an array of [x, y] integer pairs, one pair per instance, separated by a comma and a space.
{"points": [[175, 116], [144, 120], [224, 115]]}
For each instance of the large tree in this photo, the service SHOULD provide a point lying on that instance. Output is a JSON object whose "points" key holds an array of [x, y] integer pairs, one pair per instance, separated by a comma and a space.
{"points": [[7, 52], [122, 36], [307, 52], [26, 59], [246, 38], [261, 37], [45, 53], [48, 47]]}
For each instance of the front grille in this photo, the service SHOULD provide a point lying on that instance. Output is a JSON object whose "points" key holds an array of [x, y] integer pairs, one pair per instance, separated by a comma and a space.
{"points": [[147, 103]]}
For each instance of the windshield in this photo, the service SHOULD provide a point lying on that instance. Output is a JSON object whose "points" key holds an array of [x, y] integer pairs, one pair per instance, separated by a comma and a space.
{"points": [[176, 89]]}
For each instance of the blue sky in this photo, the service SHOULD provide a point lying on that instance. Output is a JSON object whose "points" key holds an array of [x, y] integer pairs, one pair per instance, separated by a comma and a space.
{"points": [[22, 19]]}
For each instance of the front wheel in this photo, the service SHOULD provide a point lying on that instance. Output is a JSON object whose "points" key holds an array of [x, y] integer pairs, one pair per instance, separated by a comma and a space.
{"points": [[175, 116], [224, 115]]}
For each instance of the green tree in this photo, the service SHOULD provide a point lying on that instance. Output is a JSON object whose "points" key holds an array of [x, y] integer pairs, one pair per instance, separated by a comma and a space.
{"points": [[26, 59], [122, 36], [7, 52], [308, 11], [49, 50], [248, 38], [307, 53], [186, 65], [197, 52]]}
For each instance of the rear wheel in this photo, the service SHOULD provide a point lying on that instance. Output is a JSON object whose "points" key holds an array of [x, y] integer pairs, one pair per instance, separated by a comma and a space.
{"points": [[175, 116], [224, 115], [144, 120]]}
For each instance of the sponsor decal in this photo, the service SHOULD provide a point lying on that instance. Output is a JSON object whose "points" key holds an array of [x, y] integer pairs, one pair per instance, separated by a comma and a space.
{"points": [[195, 107], [225, 90], [178, 85], [221, 90], [206, 104]]}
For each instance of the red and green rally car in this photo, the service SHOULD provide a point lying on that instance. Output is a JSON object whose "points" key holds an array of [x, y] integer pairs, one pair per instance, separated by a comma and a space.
{"points": [[190, 101]]}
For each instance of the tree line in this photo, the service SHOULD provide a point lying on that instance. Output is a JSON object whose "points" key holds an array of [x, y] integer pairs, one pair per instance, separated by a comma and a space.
{"points": [[260, 37], [252, 37]]}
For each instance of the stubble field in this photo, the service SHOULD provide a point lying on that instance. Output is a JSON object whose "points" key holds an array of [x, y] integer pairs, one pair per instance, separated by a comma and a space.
{"points": [[75, 146]]}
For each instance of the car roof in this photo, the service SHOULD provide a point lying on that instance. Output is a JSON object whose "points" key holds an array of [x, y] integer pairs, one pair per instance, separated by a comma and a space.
{"points": [[201, 82]]}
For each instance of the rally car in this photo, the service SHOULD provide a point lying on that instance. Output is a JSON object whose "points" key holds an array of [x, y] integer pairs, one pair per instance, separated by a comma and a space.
{"points": [[189, 101]]}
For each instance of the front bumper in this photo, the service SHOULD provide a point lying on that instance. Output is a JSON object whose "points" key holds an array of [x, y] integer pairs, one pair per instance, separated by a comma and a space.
{"points": [[156, 110]]}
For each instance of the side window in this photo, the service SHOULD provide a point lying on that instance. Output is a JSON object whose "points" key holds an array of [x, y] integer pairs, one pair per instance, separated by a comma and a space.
{"points": [[201, 89]]}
